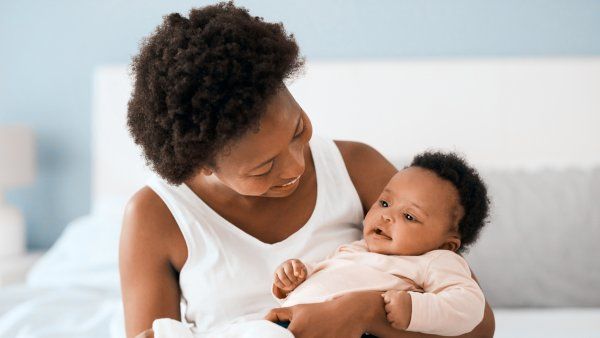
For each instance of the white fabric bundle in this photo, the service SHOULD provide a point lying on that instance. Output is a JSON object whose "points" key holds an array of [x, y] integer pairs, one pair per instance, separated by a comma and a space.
{"points": [[169, 328]]}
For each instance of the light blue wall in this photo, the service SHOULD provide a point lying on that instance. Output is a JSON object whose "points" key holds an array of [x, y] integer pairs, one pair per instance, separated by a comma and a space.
{"points": [[49, 48]]}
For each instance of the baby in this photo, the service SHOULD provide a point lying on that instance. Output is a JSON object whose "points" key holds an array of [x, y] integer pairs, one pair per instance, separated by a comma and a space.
{"points": [[427, 214]]}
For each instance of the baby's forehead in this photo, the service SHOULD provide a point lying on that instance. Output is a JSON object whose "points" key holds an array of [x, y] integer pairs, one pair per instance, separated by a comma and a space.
{"points": [[424, 184], [419, 175]]}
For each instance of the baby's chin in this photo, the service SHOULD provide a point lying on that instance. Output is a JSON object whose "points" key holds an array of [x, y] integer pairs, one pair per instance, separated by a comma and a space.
{"points": [[375, 246], [386, 248]]}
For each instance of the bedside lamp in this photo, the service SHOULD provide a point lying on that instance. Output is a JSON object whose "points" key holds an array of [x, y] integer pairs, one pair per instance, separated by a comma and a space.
{"points": [[17, 169]]}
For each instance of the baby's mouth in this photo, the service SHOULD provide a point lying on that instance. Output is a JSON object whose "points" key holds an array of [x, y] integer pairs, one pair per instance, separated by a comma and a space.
{"points": [[379, 231]]}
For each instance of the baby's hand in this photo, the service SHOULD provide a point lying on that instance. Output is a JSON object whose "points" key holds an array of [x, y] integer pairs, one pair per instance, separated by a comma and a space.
{"points": [[398, 306], [289, 275]]}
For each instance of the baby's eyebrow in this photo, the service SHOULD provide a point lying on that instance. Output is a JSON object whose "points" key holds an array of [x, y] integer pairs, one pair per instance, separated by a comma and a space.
{"points": [[387, 190], [421, 209]]}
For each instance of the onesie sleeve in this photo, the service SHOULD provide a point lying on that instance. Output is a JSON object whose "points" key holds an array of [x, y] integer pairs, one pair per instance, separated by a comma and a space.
{"points": [[452, 303], [310, 269]]}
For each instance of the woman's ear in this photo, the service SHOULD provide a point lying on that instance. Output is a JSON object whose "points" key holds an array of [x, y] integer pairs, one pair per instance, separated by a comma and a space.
{"points": [[206, 171], [452, 243]]}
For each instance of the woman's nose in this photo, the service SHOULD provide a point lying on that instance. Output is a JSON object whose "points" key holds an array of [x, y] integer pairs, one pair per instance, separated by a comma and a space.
{"points": [[294, 164]]}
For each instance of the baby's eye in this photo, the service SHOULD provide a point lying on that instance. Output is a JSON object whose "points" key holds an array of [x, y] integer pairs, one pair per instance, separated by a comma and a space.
{"points": [[409, 217], [384, 204]]}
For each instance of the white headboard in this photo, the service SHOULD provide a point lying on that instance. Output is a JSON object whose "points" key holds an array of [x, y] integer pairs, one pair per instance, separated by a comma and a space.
{"points": [[506, 113]]}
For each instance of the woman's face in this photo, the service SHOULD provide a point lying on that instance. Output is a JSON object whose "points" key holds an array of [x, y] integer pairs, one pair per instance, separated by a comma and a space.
{"points": [[270, 162]]}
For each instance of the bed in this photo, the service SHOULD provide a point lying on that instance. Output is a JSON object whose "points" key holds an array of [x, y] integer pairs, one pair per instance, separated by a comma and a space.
{"points": [[532, 129]]}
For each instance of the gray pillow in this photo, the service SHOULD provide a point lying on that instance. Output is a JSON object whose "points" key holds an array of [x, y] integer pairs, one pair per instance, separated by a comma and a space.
{"points": [[541, 247]]}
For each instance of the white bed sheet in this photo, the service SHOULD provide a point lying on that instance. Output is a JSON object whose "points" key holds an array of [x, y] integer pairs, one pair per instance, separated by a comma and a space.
{"points": [[32, 312], [548, 323]]}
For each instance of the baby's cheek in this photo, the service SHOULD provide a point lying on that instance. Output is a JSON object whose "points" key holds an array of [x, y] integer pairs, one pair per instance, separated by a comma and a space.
{"points": [[371, 214], [367, 225]]}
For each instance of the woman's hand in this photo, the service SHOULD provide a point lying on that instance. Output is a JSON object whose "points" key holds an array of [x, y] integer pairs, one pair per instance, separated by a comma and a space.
{"points": [[344, 317]]}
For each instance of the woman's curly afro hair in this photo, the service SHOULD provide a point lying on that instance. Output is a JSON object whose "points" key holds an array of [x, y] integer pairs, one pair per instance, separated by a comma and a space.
{"points": [[471, 190], [202, 82]]}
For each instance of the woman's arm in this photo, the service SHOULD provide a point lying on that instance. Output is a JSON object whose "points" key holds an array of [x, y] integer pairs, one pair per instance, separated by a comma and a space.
{"points": [[354, 314], [149, 283], [368, 170]]}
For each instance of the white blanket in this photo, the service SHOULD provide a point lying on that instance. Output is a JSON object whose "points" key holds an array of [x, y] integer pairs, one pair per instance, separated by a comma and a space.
{"points": [[29, 312], [169, 328]]}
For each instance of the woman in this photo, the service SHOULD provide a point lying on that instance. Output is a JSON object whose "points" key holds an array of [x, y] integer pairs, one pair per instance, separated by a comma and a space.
{"points": [[243, 185]]}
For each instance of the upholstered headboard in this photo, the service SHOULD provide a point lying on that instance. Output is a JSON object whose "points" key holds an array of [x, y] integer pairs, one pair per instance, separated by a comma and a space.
{"points": [[506, 113]]}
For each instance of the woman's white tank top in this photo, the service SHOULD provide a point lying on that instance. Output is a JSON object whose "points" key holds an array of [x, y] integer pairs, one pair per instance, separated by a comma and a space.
{"points": [[228, 274]]}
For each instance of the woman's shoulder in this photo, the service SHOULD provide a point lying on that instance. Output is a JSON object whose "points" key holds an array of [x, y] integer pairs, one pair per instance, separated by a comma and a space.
{"points": [[146, 207], [148, 222], [368, 169]]}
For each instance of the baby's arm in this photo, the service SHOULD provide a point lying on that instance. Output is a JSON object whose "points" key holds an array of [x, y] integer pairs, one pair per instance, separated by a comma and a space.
{"points": [[288, 276], [452, 303]]}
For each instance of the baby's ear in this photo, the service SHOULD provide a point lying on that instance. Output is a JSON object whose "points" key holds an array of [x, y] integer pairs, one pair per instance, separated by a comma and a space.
{"points": [[452, 243]]}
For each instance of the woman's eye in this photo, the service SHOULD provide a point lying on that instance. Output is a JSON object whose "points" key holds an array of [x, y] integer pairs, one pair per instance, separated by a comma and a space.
{"points": [[263, 174], [384, 204], [409, 217]]}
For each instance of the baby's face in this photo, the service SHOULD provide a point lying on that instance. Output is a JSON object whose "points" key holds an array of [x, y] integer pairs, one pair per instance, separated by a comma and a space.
{"points": [[417, 212]]}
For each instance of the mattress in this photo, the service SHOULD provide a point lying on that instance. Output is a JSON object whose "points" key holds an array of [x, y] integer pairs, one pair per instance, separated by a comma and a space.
{"points": [[547, 323], [33, 312]]}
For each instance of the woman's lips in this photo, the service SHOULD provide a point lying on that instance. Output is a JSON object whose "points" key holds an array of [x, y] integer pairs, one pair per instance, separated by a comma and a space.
{"points": [[289, 184]]}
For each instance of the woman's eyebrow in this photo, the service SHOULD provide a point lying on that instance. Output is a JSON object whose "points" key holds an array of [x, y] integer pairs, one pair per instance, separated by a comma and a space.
{"points": [[272, 158], [263, 163]]}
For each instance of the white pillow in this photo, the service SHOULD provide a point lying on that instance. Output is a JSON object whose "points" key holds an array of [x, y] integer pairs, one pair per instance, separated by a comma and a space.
{"points": [[86, 254]]}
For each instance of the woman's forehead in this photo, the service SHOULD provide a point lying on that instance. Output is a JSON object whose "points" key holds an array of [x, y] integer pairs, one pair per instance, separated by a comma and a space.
{"points": [[276, 129]]}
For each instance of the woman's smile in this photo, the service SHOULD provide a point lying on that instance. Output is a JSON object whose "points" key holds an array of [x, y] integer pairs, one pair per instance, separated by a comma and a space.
{"points": [[288, 185]]}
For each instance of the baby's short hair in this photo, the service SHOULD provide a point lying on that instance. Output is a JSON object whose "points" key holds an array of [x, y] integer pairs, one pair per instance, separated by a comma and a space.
{"points": [[471, 190]]}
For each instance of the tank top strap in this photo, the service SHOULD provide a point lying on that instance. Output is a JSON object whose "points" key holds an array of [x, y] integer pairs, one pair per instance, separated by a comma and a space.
{"points": [[184, 210], [333, 176]]}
